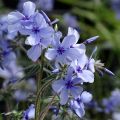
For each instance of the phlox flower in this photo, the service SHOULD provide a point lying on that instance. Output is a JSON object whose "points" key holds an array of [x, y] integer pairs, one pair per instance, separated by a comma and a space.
{"points": [[18, 20], [40, 37], [79, 67], [29, 113], [67, 87], [77, 105], [67, 50]]}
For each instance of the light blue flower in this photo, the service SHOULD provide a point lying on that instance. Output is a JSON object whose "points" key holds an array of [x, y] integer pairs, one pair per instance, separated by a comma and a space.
{"points": [[19, 20], [112, 103], [46, 5], [79, 67], [29, 113], [7, 53], [67, 50], [40, 37], [77, 105], [70, 20], [67, 87]]}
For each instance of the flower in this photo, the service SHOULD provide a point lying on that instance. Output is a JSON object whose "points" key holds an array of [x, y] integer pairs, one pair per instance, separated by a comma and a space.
{"points": [[40, 37], [112, 103], [46, 5], [18, 20], [29, 113], [79, 67], [67, 50], [90, 40], [66, 87], [70, 20], [7, 53], [115, 6], [77, 105]]}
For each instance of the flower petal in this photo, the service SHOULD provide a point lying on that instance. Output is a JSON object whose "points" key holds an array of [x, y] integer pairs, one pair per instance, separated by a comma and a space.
{"points": [[86, 76], [86, 97], [76, 91], [47, 32], [40, 20], [32, 40], [91, 65], [72, 31], [29, 8], [80, 112], [73, 53], [58, 85], [63, 96], [50, 54], [14, 17], [34, 52], [68, 41]]}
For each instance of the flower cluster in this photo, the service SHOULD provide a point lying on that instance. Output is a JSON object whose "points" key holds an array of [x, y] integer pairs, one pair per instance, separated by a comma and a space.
{"points": [[68, 57]]}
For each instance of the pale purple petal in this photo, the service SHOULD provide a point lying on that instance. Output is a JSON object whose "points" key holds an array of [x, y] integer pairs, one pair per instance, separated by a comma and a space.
{"points": [[40, 20], [80, 112], [76, 91], [81, 47], [68, 41], [47, 32], [29, 8], [24, 31], [56, 40], [91, 65], [34, 52], [72, 31], [82, 60], [86, 97], [14, 17], [63, 96], [73, 53], [76, 81], [58, 85], [50, 54], [14, 28], [86, 76], [31, 40]]}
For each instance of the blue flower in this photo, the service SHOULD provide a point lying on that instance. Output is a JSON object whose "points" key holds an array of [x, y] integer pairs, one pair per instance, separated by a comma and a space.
{"points": [[46, 4], [29, 113], [116, 7], [7, 53], [77, 105], [67, 50], [113, 102], [67, 87], [79, 68], [40, 37], [70, 20], [90, 40], [18, 20]]}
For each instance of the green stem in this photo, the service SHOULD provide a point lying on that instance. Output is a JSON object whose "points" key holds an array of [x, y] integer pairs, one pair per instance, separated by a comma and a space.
{"points": [[42, 116], [39, 78]]}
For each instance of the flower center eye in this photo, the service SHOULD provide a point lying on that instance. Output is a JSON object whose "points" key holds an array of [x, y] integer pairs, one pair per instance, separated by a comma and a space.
{"points": [[35, 30], [25, 18], [69, 84], [78, 100], [78, 69], [60, 50]]}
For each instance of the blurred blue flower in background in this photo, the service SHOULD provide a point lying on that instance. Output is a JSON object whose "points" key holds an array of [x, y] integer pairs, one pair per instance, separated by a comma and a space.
{"points": [[112, 103], [116, 7]]}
